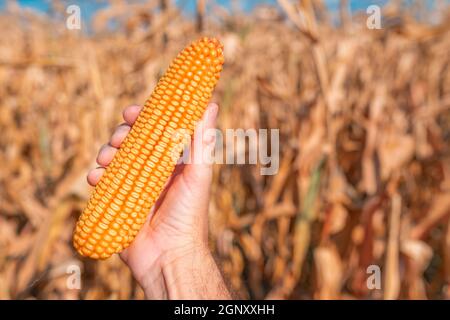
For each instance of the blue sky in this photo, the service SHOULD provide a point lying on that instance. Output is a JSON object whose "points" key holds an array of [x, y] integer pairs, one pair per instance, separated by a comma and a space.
{"points": [[88, 6]]}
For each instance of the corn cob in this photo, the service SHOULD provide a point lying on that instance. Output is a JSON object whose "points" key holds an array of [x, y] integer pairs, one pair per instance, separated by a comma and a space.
{"points": [[134, 179]]}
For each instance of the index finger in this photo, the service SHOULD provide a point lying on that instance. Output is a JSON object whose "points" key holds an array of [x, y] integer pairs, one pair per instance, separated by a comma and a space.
{"points": [[131, 113]]}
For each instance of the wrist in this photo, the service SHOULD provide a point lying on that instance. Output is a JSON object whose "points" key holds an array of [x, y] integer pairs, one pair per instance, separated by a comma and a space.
{"points": [[186, 273]]}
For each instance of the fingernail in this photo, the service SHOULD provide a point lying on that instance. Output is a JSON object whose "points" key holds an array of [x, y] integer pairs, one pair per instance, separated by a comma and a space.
{"points": [[213, 109]]}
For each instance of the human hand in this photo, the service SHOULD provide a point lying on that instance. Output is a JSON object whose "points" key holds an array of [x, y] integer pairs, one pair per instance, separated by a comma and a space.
{"points": [[170, 257]]}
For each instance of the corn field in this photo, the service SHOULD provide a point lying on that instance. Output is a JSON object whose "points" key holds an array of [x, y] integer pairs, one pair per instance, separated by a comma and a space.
{"points": [[364, 123]]}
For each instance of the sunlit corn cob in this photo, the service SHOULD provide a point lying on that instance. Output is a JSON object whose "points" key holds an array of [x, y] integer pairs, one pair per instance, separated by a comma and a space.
{"points": [[134, 179]]}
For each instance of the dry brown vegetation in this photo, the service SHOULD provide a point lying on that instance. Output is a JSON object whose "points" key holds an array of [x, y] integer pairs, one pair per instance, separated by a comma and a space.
{"points": [[364, 119]]}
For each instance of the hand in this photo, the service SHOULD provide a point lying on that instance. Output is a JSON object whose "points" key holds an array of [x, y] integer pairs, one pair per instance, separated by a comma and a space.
{"points": [[170, 257]]}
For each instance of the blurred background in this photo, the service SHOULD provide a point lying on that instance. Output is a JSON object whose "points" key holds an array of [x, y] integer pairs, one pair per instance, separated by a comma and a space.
{"points": [[364, 119]]}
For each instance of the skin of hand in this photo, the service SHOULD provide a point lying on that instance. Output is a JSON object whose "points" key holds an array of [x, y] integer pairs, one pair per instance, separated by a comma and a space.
{"points": [[170, 257]]}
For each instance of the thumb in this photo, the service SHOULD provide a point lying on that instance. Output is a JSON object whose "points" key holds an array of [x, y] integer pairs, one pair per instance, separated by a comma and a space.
{"points": [[199, 168]]}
